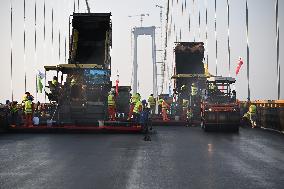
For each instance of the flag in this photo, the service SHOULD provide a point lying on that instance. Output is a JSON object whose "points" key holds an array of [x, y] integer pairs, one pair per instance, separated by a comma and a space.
{"points": [[116, 83], [239, 66], [40, 77], [116, 87]]}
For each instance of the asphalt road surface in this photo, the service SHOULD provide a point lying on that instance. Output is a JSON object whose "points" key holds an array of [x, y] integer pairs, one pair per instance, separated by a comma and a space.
{"points": [[177, 157]]}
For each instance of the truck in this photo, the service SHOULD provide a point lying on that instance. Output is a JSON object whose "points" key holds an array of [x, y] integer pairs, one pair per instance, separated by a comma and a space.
{"points": [[219, 106]]}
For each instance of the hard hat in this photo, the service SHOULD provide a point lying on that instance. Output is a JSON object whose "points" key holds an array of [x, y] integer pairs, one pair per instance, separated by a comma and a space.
{"points": [[193, 84]]}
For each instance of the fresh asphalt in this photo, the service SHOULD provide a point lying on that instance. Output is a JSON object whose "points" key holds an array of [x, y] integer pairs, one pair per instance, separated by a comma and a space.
{"points": [[177, 157]]}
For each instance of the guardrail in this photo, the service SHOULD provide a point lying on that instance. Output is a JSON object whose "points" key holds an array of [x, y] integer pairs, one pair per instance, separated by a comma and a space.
{"points": [[270, 113]]}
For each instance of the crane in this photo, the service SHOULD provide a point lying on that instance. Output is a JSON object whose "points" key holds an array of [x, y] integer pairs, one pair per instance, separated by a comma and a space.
{"points": [[141, 17]]}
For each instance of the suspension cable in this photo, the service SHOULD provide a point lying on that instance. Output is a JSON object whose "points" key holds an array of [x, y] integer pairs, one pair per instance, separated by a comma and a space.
{"points": [[216, 40], [25, 65], [229, 45], [11, 48], [277, 51], [247, 35]]}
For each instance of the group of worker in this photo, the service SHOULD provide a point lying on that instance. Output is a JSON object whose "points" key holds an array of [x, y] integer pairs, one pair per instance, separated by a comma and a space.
{"points": [[14, 109], [137, 106]]}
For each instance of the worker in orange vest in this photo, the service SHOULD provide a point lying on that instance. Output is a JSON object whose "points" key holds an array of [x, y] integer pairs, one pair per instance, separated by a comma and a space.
{"points": [[165, 107]]}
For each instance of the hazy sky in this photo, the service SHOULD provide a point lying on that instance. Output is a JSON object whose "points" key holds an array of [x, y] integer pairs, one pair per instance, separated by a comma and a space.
{"points": [[261, 37]]}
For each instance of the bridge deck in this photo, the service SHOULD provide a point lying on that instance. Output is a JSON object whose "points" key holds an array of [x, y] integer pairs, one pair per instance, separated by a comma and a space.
{"points": [[177, 157]]}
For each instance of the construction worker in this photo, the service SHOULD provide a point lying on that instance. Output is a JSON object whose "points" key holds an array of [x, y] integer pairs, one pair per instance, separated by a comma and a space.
{"points": [[14, 114], [165, 107], [28, 109], [132, 104], [173, 109], [193, 95], [160, 102], [137, 109], [251, 115], [185, 104], [183, 92], [27, 96], [54, 81], [111, 106], [190, 117], [152, 103]]}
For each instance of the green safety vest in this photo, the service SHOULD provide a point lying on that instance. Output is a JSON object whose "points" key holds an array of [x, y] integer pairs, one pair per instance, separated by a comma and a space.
{"points": [[28, 107], [110, 100], [138, 104], [14, 109], [193, 90], [164, 105], [252, 109], [54, 82], [160, 101], [151, 101], [185, 103]]}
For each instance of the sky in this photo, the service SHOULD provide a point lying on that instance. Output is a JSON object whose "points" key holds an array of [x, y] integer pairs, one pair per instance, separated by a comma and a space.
{"points": [[262, 40]]}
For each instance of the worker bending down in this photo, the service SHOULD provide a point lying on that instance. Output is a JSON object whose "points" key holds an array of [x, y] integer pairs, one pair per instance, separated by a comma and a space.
{"points": [[251, 115], [111, 106]]}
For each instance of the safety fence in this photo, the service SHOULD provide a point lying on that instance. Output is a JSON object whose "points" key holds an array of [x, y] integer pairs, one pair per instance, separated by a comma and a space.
{"points": [[270, 113]]}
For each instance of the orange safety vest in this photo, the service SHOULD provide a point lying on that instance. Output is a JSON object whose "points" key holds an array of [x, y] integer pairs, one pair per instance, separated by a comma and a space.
{"points": [[165, 105]]}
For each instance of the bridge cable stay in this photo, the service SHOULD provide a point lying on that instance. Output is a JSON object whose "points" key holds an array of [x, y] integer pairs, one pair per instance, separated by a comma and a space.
{"points": [[247, 35], [229, 45], [11, 49], [216, 40], [25, 65], [87, 5], [193, 18], [65, 50], [277, 49], [166, 42], [78, 4], [44, 43], [206, 31], [199, 28], [35, 55], [59, 49]]}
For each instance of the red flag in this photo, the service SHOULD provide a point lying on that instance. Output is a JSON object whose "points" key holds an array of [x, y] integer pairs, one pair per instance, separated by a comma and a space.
{"points": [[116, 87], [239, 66]]}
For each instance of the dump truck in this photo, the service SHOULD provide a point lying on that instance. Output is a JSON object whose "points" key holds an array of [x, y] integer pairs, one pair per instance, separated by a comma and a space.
{"points": [[219, 107], [84, 82]]}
